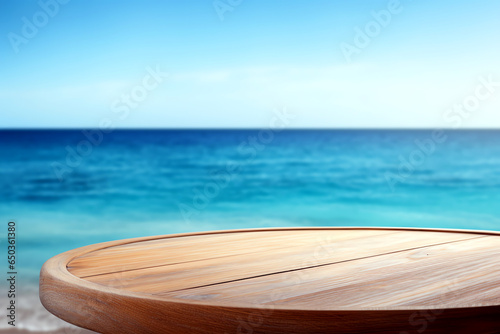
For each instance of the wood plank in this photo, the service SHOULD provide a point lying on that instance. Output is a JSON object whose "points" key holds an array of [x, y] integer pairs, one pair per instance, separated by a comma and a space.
{"points": [[448, 275], [187, 249], [317, 249]]}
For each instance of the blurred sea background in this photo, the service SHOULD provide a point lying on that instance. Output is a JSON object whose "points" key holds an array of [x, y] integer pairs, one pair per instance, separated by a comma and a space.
{"points": [[70, 188]]}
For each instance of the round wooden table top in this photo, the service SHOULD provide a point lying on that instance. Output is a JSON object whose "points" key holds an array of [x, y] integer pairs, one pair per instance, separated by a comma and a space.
{"points": [[287, 280]]}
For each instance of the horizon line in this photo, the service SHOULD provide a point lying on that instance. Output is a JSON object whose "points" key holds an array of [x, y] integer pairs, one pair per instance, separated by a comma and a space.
{"points": [[244, 129]]}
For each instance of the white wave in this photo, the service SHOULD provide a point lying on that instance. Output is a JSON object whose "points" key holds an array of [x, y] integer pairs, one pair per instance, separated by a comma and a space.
{"points": [[32, 317]]}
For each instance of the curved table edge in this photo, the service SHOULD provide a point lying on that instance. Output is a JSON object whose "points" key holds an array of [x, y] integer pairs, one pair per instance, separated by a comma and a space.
{"points": [[109, 310]]}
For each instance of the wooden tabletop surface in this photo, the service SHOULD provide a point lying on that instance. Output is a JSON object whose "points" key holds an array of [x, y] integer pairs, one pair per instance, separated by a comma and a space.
{"points": [[343, 280]]}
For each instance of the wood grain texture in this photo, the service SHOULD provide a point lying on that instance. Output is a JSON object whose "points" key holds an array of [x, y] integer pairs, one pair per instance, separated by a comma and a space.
{"points": [[296, 280]]}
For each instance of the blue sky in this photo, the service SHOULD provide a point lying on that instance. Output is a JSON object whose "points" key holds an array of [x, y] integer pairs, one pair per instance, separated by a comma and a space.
{"points": [[77, 67]]}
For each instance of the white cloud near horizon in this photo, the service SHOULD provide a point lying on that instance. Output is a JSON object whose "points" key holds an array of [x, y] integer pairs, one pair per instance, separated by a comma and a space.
{"points": [[340, 96]]}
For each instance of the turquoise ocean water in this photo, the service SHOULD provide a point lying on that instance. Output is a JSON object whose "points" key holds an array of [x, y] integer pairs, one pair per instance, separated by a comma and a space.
{"points": [[66, 189]]}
